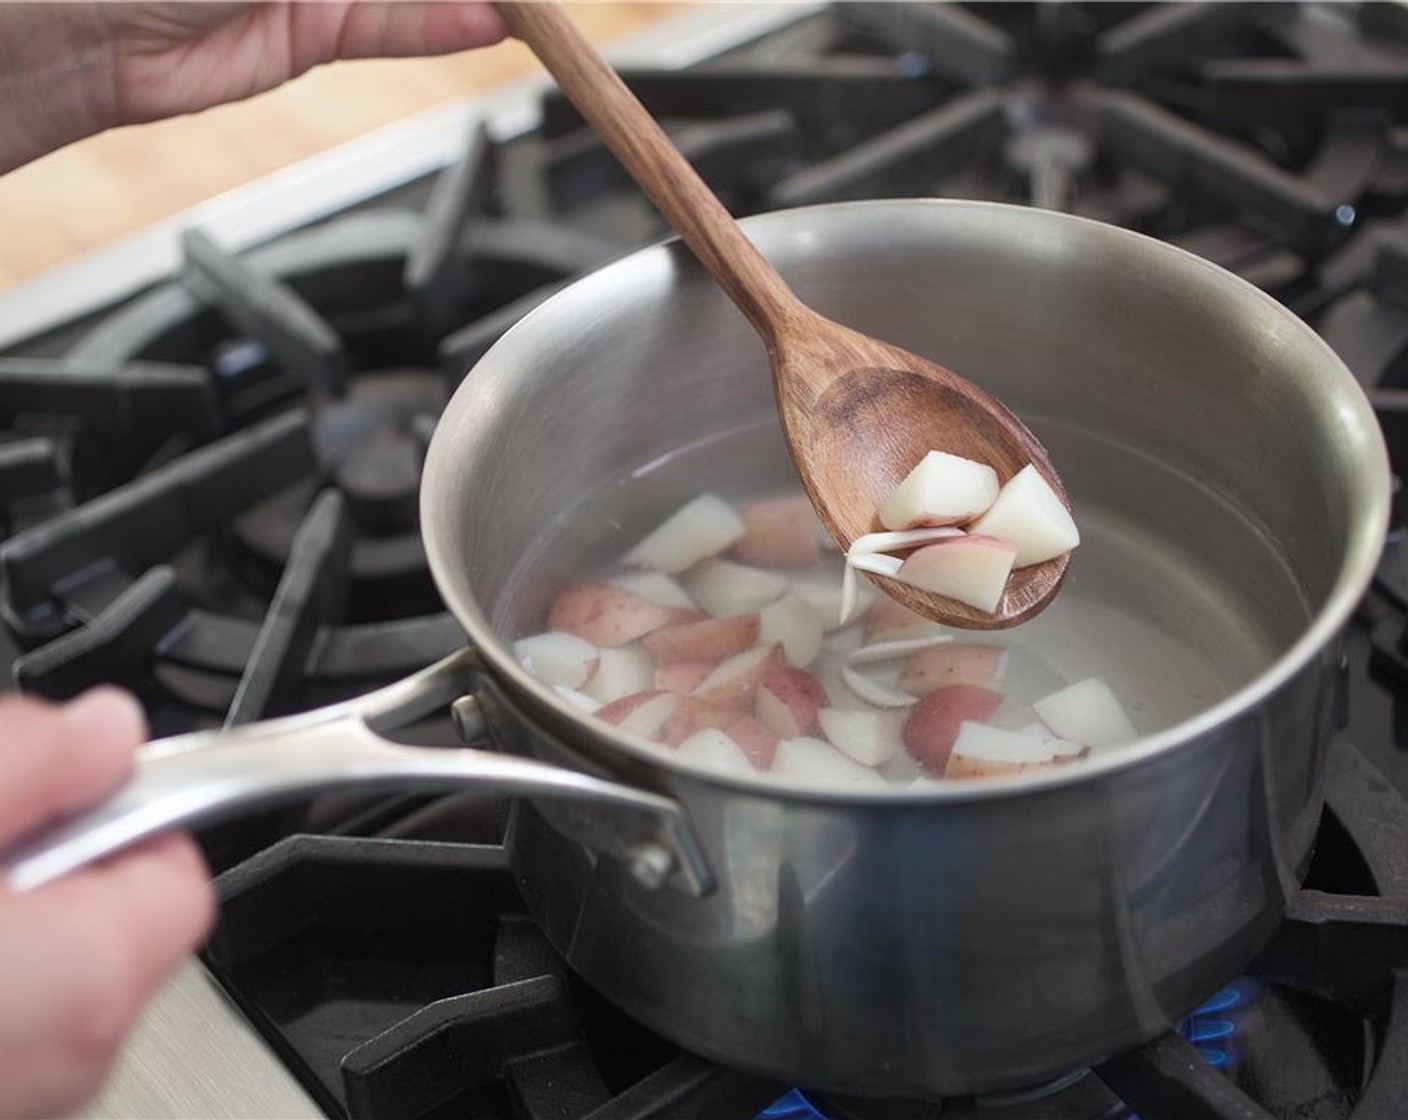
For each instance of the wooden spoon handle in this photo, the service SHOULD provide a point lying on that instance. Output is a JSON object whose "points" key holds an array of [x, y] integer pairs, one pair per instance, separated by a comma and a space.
{"points": [[654, 162]]}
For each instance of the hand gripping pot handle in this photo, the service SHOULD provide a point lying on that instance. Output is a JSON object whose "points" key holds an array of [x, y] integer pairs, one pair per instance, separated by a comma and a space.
{"points": [[207, 775]]}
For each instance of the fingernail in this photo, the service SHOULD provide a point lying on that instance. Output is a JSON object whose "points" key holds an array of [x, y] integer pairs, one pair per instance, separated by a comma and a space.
{"points": [[108, 713]]}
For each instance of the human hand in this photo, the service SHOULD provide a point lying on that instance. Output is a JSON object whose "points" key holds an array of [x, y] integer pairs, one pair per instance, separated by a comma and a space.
{"points": [[70, 70], [80, 956]]}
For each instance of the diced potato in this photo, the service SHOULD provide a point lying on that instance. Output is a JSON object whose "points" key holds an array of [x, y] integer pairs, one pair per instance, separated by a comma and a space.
{"points": [[874, 692], [707, 648], [723, 588], [1087, 712], [711, 639], [823, 595], [714, 748], [942, 489], [735, 682], [989, 752], [641, 713], [701, 528], [953, 663], [1063, 749], [886, 620], [870, 738], [932, 725], [899, 649], [980, 740], [683, 676], [605, 615], [1029, 513], [655, 586], [788, 700], [778, 533], [694, 714], [792, 624], [972, 569], [754, 740], [621, 672], [558, 658], [579, 700], [812, 760]]}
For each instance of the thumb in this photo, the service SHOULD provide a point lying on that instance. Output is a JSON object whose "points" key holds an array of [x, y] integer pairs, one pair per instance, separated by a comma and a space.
{"points": [[54, 760]]}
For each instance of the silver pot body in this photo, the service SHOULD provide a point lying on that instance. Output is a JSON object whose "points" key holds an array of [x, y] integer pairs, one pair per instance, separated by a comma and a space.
{"points": [[980, 935]]}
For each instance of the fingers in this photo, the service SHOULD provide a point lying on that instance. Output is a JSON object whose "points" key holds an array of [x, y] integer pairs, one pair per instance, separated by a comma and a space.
{"points": [[411, 27], [80, 957], [54, 760]]}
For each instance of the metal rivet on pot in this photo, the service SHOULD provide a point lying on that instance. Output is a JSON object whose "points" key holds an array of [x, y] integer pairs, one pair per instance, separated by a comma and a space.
{"points": [[650, 864], [468, 718]]}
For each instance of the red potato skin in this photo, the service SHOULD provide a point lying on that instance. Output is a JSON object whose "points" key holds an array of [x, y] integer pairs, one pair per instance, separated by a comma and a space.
{"points": [[608, 616], [952, 663], [919, 566], [618, 710], [683, 676], [778, 533], [740, 688], [933, 724], [801, 694], [711, 639], [885, 619], [924, 520], [693, 715], [754, 740], [960, 766]]}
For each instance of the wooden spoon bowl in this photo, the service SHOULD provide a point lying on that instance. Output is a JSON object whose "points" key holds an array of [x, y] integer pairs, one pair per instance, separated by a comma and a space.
{"points": [[858, 413]]}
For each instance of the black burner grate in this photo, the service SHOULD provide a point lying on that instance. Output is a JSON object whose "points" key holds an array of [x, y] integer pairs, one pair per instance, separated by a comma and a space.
{"points": [[402, 978], [279, 565]]}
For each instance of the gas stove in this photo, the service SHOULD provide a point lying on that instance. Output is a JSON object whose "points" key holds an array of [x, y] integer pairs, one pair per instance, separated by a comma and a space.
{"points": [[210, 444]]}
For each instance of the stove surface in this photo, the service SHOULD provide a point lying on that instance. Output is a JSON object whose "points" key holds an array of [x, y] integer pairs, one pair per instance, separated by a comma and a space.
{"points": [[207, 494]]}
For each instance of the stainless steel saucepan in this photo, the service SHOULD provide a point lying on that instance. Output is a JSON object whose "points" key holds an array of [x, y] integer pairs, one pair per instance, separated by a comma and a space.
{"points": [[907, 941]]}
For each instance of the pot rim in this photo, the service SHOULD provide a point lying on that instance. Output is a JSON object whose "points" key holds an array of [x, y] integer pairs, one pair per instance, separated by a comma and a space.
{"points": [[1357, 565]]}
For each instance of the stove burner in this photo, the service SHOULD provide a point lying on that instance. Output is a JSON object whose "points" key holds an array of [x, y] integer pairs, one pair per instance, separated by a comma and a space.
{"points": [[1051, 156], [1102, 116], [370, 444], [280, 566]]}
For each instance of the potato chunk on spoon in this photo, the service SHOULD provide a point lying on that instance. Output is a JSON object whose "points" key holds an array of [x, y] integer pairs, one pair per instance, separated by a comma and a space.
{"points": [[857, 413]]}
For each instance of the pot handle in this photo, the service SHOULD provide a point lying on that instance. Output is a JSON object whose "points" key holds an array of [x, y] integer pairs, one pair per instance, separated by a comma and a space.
{"points": [[204, 776]]}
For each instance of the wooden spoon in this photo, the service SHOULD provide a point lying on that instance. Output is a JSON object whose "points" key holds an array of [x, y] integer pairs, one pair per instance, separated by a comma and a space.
{"points": [[857, 413]]}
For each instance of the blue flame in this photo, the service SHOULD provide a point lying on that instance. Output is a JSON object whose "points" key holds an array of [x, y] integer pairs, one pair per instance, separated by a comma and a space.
{"points": [[1211, 1028], [792, 1106], [1234, 995], [1205, 1030]]}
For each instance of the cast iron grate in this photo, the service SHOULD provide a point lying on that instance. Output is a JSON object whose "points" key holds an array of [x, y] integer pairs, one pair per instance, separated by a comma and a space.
{"points": [[401, 977], [221, 512]]}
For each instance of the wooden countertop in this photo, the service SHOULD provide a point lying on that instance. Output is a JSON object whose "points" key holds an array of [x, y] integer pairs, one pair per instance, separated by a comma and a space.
{"points": [[99, 189]]}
